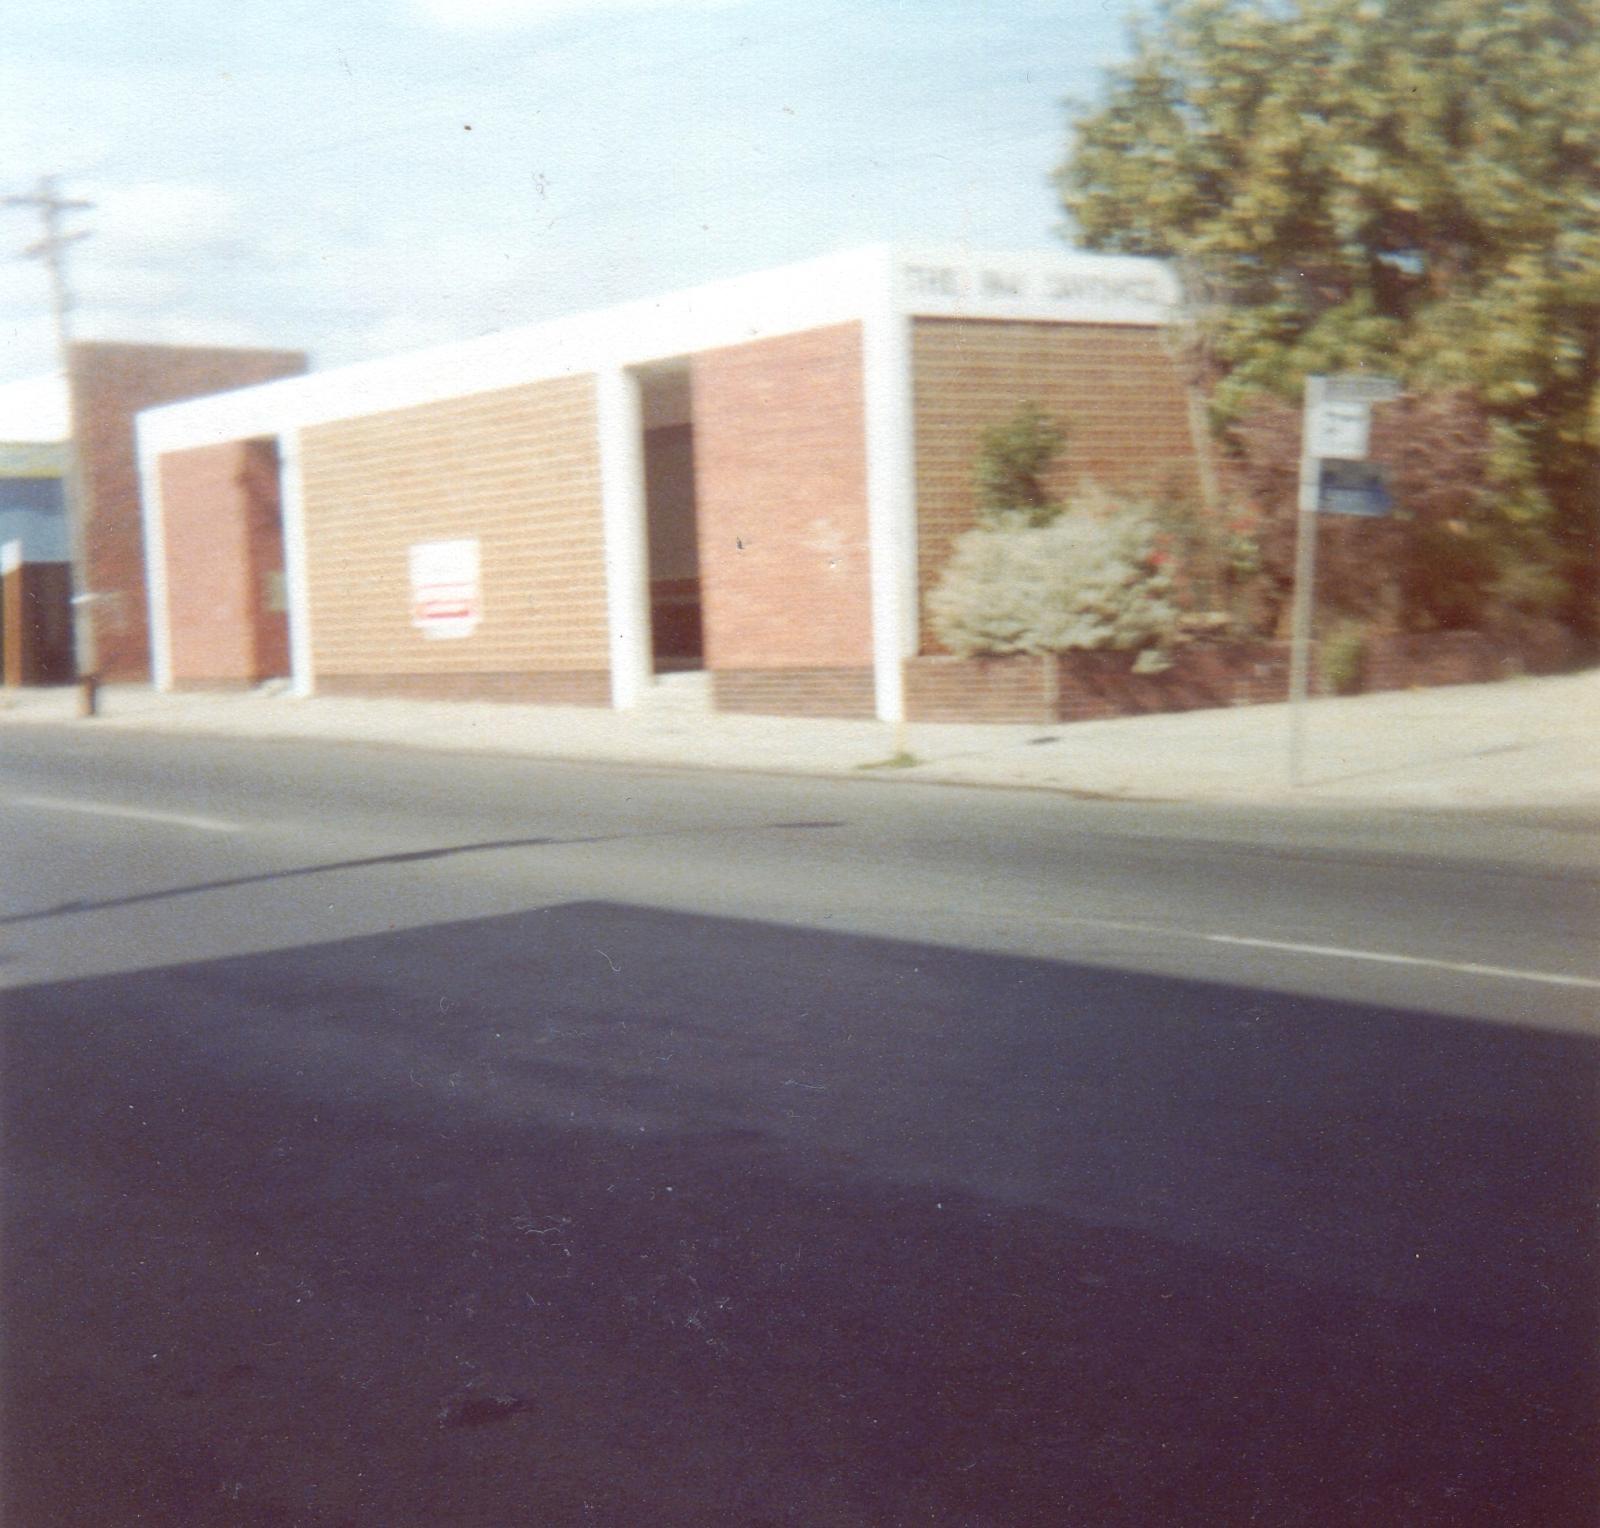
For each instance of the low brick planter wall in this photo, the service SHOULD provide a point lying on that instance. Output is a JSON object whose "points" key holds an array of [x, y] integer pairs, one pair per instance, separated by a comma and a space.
{"points": [[577, 687], [1019, 689], [1402, 662], [830, 692], [1093, 686], [1090, 686]]}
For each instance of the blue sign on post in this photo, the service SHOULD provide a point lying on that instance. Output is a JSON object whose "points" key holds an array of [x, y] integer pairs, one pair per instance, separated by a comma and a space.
{"points": [[1352, 488]]}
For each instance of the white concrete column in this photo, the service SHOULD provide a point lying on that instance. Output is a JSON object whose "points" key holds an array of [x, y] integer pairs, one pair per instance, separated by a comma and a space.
{"points": [[622, 499], [153, 515], [296, 566], [891, 494]]}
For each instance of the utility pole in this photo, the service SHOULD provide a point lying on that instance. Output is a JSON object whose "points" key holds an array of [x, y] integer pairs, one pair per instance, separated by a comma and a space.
{"points": [[51, 249]]}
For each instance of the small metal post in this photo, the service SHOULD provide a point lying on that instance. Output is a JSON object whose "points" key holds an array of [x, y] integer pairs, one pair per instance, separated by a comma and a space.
{"points": [[1305, 583]]}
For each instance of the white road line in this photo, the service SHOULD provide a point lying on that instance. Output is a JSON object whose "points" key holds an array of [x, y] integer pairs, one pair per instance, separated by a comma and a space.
{"points": [[1332, 952], [133, 813], [1467, 968]]}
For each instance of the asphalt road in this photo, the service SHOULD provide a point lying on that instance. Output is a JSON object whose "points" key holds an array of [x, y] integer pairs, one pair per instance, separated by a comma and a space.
{"points": [[400, 1139]]}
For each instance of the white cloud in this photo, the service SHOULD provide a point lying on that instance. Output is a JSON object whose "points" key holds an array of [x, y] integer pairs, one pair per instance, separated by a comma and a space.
{"points": [[166, 215], [133, 285], [34, 408], [183, 329], [505, 15]]}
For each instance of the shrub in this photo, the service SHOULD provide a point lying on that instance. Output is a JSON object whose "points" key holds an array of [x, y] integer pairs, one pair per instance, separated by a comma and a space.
{"points": [[1092, 578], [1014, 462]]}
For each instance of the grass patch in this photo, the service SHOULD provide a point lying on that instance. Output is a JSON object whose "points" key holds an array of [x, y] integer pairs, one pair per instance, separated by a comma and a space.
{"points": [[901, 760]]}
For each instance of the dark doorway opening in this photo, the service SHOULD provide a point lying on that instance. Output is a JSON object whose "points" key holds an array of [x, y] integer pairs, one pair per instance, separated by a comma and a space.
{"points": [[267, 605], [676, 633]]}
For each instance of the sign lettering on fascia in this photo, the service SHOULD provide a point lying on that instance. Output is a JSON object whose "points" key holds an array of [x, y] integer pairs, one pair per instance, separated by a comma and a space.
{"points": [[933, 281], [1139, 295]]}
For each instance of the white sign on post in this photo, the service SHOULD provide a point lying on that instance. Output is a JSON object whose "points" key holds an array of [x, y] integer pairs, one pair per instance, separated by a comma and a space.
{"points": [[1339, 429], [446, 600], [1336, 429], [1338, 414]]}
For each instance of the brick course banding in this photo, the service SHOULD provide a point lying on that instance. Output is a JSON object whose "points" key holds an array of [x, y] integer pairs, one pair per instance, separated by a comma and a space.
{"points": [[225, 539], [570, 688], [1093, 686], [519, 471], [781, 499], [818, 693]]}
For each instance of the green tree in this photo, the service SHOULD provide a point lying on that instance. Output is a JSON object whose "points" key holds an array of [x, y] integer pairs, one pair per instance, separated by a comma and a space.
{"points": [[1411, 186]]}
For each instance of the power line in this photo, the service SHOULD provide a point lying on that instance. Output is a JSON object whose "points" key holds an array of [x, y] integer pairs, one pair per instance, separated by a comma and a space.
{"points": [[51, 249]]}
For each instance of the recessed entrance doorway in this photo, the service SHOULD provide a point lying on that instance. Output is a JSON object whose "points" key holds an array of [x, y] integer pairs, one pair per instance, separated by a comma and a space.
{"points": [[666, 407]]}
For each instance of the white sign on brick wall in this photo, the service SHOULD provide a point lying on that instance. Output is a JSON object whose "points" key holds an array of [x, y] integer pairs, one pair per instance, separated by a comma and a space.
{"points": [[446, 596]]}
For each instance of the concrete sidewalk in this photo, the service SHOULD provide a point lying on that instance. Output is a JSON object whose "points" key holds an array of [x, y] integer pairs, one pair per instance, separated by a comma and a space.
{"points": [[1520, 743]]}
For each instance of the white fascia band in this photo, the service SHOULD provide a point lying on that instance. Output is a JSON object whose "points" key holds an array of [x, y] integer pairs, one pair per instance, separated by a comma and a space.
{"points": [[622, 499], [891, 495], [157, 596], [296, 564]]}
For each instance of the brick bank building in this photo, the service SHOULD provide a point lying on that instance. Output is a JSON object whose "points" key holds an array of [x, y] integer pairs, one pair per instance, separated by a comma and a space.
{"points": [[760, 479]]}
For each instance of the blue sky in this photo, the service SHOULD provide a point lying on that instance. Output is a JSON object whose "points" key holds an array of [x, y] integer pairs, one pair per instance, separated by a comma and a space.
{"points": [[363, 178]]}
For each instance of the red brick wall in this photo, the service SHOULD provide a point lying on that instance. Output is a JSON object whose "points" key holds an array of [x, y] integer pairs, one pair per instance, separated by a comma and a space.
{"points": [[781, 490], [110, 384], [223, 539], [208, 565], [518, 470], [842, 692], [1114, 389], [940, 689]]}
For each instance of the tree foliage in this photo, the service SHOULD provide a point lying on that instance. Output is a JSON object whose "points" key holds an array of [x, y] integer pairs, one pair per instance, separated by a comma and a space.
{"points": [[1410, 186]]}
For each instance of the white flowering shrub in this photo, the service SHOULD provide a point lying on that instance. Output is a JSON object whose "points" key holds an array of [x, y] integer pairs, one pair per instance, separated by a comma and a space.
{"points": [[1094, 577]]}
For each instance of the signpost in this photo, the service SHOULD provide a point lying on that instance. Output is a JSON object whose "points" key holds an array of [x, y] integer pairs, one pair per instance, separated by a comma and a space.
{"points": [[1335, 479]]}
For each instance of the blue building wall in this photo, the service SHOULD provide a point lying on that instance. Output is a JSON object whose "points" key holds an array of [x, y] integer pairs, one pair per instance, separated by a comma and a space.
{"points": [[33, 510]]}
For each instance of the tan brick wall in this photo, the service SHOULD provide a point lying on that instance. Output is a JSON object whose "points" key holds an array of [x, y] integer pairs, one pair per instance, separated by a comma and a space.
{"points": [[781, 490], [1114, 389], [519, 470], [110, 383], [575, 687]]}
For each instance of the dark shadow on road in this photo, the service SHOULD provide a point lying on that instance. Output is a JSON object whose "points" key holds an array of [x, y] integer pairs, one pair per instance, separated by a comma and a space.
{"points": [[604, 1214], [404, 857]]}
